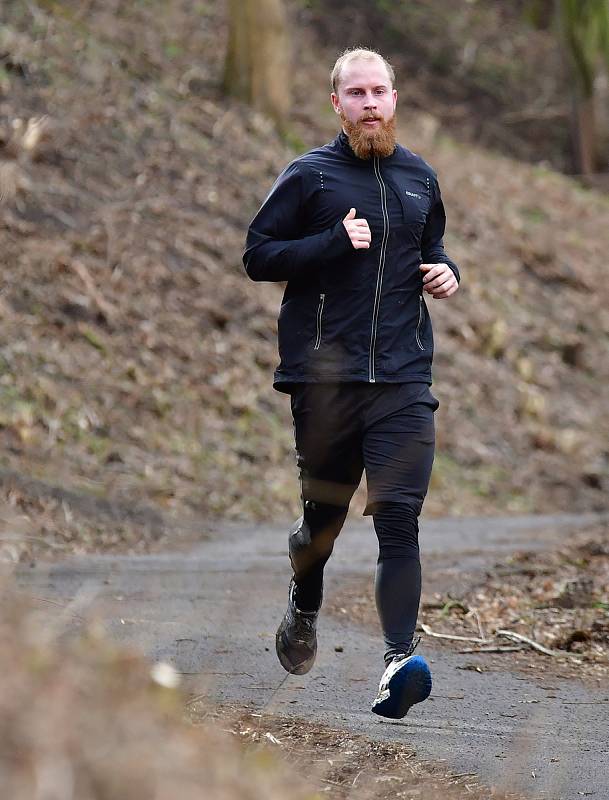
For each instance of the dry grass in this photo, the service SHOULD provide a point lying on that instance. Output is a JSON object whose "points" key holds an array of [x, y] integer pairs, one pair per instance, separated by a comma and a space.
{"points": [[81, 718], [50, 523], [348, 766]]}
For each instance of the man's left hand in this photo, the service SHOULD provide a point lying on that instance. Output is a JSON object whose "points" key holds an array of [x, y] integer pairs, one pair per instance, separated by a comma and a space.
{"points": [[439, 280]]}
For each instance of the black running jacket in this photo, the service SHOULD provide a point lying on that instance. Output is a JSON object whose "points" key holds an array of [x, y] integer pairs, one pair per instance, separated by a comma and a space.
{"points": [[346, 314]]}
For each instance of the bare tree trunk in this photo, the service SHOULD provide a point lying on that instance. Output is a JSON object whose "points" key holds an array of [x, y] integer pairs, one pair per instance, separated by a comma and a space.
{"points": [[584, 138], [602, 120], [257, 63]]}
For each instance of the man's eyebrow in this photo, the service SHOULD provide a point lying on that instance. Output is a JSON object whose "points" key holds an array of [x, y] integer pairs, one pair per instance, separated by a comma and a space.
{"points": [[380, 86]]}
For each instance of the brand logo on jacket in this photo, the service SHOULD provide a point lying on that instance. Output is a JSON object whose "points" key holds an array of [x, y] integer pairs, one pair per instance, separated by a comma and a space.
{"points": [[412, 194]]}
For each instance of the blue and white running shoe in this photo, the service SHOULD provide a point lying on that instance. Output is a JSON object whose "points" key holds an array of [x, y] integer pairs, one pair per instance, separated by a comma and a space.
{"points": [[406, 681]]}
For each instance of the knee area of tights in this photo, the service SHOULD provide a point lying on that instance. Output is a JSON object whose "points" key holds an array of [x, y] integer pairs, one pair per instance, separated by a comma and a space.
{"points": [[390, 511], [320, 516], [399, 550], [303, 538], [397, 530]]}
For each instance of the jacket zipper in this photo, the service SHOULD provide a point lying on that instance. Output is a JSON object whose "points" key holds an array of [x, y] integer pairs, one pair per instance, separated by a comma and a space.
{"points": [[320, 311], [379, 277], [419, 323]]}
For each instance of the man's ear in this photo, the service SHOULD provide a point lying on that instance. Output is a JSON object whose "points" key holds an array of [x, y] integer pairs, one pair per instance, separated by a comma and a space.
{"points": [[335, 103]]}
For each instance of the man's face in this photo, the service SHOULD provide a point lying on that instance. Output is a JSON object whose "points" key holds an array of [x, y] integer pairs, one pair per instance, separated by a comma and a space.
{"points": [[366, 104]]}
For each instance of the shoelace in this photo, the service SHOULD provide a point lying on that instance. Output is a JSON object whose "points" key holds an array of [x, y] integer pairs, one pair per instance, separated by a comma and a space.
{"points": [[413, 646], [304, 625]]}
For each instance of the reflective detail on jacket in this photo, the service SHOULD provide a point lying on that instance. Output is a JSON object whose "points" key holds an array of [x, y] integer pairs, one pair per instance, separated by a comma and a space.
{"points": [[346, 314]]}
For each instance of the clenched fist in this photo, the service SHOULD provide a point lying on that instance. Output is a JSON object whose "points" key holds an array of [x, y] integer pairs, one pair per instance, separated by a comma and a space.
{"points": [[439, 280], [358, 231]]}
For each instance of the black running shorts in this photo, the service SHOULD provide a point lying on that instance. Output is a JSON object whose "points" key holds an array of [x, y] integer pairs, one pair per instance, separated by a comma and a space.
{"points": [[386, 429]]}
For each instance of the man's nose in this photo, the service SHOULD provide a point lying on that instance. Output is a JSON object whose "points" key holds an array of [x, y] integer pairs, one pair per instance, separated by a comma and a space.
{"points": [[370, 101]]}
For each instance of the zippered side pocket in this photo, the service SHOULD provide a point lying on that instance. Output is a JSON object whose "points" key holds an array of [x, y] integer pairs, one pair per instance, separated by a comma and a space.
{"points": [[419, 323], [320, 311]]}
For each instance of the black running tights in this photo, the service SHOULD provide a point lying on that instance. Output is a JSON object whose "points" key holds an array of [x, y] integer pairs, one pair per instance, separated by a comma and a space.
{"points": [[388, 430], [398, 570]]}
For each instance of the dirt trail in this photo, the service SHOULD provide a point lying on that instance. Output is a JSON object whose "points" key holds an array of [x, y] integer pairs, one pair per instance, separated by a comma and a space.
{"points": [[213, 612]]}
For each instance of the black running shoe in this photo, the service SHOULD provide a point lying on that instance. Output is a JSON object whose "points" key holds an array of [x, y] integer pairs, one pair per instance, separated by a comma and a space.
{"points": [[296, 639]]}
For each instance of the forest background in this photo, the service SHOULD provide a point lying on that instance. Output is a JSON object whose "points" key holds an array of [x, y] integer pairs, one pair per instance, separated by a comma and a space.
{"points": [[137, 358]]}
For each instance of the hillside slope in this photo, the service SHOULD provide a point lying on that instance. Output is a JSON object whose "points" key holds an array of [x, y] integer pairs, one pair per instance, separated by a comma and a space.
{"points": [[136, 357]]}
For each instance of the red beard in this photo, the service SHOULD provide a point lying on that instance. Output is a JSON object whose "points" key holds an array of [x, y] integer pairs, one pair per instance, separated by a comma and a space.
{"points": [[367, 143]]}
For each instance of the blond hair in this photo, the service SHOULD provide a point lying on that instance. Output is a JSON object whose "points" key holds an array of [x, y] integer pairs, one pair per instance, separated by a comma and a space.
{"points": [[354, 54]]}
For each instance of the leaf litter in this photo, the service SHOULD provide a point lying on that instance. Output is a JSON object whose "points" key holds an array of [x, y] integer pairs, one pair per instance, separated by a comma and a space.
{"points": [[547, 604]]}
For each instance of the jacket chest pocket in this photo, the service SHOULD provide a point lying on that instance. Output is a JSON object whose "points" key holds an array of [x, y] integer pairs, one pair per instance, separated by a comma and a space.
{"points": [[413, 202], [415, 211]]}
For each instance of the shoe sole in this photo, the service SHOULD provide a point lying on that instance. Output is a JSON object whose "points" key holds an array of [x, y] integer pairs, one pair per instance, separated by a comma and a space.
{"points": [[294, 669], [409, 686]]}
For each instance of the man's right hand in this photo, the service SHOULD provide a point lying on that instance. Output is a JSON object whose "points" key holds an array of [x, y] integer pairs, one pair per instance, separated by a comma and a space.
{"points": [[358, 231]]}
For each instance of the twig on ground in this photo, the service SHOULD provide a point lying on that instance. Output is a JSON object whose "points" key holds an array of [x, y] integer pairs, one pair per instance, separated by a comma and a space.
{"points": [[107, 309], [494, 649], [271, 698], [518, 637], [476, 616], [426, 629], [61, 216]]}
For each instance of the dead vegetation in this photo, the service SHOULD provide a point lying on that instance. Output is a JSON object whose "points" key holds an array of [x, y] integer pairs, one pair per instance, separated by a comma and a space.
{"points": [[342, 765], [44, 522], [135, 369], [80, 717], [551, 606]]}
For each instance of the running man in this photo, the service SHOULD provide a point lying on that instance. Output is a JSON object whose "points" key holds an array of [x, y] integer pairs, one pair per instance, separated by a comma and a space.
{"points": [[355, 228]]}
